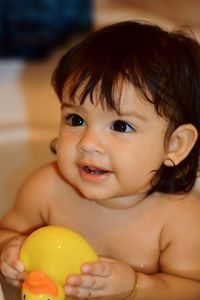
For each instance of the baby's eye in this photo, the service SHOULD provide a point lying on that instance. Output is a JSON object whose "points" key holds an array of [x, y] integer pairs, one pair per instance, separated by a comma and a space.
{"points": [[122, 126], [74, 120]]}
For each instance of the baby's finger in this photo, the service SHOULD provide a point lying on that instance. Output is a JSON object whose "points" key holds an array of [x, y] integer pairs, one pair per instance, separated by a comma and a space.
{"points": [[12, 262], [86, 281], [8, 271], [14, 282], [83, 293], [99, 268]]}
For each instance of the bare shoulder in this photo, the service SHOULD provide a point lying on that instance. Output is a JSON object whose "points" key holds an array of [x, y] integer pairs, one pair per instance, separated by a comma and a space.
{"points": [[43, 186], [33, 199], [181, 238], [186, 209], [49, 172]]}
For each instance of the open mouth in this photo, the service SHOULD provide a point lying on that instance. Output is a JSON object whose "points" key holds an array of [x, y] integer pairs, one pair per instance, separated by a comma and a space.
{"points": [[95, 171]]}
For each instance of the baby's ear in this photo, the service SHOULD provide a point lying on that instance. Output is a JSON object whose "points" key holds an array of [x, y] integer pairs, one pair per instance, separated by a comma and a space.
{"points": [[180, 144]]}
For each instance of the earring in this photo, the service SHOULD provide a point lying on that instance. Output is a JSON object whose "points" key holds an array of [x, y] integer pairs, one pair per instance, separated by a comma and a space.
{"points": [[169, 162], [53, 145]]}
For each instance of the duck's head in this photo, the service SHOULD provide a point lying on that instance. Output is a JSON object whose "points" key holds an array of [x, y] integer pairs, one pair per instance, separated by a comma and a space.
{"points": [[39, 286], [49, 255]]}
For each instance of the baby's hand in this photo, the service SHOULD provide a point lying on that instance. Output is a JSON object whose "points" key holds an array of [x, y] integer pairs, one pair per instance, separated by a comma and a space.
{"points": [[107, 278], [11, 266]]}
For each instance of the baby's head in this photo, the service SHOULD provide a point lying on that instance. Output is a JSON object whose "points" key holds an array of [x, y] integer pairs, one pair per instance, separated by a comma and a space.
{"points": [[164, 67]]}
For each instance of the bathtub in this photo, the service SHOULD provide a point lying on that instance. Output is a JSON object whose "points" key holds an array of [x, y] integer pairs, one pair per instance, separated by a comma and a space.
{"points": [[29, 118]]}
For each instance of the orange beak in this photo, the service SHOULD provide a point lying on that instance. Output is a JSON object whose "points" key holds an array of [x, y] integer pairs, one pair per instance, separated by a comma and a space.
{"points": [[39, 283]]}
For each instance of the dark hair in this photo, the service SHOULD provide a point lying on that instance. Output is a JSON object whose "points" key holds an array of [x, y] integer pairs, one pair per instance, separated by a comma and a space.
{"points": [[162, 64]]}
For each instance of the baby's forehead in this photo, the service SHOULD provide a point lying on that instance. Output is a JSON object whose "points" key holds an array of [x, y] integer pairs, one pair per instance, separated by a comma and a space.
{"points": [[126, 97], [119, 89]]}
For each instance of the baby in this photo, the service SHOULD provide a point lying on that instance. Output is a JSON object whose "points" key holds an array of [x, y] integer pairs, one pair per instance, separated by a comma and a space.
{"points": [[126, 162]]}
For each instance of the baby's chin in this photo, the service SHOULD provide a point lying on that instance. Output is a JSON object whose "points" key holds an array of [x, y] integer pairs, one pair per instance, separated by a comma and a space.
{"points": [[96, 197], [104, 200]]}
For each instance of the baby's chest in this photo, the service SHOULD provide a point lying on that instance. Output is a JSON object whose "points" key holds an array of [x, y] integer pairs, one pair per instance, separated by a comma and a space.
{"points": [[137, 247], [135, 242]]}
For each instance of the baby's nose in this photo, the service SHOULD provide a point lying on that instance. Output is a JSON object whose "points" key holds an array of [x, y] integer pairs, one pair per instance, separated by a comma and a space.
{"points": [[91, 141]]}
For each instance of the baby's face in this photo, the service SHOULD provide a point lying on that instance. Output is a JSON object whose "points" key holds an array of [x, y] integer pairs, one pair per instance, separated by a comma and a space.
{"points": [[108, 156]]}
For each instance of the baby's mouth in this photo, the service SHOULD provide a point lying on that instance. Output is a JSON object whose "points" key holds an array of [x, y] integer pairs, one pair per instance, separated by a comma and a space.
{"points": [[93, 170]]}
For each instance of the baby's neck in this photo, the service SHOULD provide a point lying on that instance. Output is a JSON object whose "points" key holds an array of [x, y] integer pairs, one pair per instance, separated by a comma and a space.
{"points": [[122, 202]]}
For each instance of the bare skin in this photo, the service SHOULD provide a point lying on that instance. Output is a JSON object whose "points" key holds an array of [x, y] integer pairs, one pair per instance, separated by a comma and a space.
{"points": [[153, 231], [155, 236]]}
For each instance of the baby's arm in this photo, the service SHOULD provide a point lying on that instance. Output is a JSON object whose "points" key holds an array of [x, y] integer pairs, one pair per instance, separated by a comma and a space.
{"points": [[28, 213], [178, 278], [116, 280]]}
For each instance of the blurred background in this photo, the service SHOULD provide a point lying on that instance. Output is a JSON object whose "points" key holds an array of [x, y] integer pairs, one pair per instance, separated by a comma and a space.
{"points": [[33, 36]]}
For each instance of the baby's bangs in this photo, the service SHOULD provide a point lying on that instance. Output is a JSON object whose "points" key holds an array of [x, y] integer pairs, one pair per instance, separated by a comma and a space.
{"points": [[103, 88]]}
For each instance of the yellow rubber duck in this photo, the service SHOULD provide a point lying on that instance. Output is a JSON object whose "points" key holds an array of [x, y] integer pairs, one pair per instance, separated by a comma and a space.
{"points": [[49, 255]]}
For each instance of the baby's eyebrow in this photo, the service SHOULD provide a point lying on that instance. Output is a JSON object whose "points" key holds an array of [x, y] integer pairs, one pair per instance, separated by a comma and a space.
{"points": [[71, 105], [121, 114], [67, 105], [131, 113]]}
